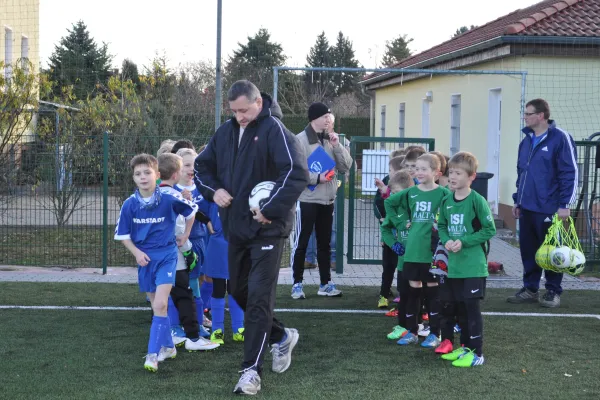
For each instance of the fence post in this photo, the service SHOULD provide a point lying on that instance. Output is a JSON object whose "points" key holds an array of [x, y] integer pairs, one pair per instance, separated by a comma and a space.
{"points": [[340, 218], [105, 203]]}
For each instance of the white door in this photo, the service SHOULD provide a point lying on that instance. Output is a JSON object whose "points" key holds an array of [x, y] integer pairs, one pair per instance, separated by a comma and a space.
{"points": [[493, 155], [425, 119]]}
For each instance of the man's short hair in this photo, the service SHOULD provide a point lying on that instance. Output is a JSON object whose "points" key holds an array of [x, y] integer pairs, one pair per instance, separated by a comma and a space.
{"points": [[397, 153], [243, 88], [144, 159], [443, 162], [169, 164], [165, 148], [397, 163], [413, 154], [432, 160], [182, 144], [540, 106], [401, 179], [465, 161], [187, 152]]}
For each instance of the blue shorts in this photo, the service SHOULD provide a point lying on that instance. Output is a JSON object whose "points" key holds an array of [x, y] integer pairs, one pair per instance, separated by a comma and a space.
{"points": [[159, 271], [200, 250]]}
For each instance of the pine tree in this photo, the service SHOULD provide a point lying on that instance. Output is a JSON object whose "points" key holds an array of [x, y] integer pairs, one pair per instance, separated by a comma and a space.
{"points": [[320, 55], [396, 50], [343, 56], [255, 60], [463, 29], [78, 61]]}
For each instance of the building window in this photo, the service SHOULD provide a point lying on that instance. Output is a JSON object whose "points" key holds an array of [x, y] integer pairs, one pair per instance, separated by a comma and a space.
{"points": [[382, 121], [8, 53], [401, 119], [454, 124], [24, 52]]}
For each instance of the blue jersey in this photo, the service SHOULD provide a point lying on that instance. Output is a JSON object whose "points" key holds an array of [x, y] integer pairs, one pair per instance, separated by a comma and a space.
{"points": [[152, 228], [198, 230], [216, 264]]}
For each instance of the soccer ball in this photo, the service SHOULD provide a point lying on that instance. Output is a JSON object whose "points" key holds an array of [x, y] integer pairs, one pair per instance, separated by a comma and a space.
{"points": [[542, 256], [560, 257], [260, 193], [577, 258]]}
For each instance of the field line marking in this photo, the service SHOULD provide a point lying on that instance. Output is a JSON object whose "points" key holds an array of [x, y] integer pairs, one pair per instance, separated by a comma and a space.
{"points": [[289, 310]]}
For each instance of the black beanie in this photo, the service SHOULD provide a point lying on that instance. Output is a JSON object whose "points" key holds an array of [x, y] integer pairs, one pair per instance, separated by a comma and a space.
{"points": [[317, 110]]}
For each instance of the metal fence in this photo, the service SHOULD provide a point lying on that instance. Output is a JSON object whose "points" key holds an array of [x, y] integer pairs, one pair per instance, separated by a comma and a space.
{"points": [[371, 156]]}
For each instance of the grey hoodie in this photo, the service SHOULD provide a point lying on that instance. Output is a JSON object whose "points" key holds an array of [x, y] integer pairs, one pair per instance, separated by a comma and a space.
{"points": [[325, 192]]}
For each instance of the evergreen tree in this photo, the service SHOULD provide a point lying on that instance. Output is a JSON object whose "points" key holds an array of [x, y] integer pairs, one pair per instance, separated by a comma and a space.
{"points": [[396, 50], [343, 56], [255, 60], [320, 55], [78, 61], [462, 30]]}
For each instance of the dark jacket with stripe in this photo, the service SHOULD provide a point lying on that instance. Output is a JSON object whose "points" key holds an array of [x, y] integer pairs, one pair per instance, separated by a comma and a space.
{"points": [[547, 175], [267, 152]]}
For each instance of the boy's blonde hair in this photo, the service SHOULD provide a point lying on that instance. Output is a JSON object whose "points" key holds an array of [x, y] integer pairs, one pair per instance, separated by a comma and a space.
{"points": [[187, 152], [466, 161], [169, 164], [414, 154], [397, 163], [415, 146], [443, 162], [144, 159], [401, 180], [397, 153], [432, 160]]}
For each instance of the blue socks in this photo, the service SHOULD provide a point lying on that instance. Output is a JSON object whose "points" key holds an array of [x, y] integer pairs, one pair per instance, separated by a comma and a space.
{"points": [[218, 314], [206, 292], [237, 314], [172, 313], [160, 334], [199, 310]]}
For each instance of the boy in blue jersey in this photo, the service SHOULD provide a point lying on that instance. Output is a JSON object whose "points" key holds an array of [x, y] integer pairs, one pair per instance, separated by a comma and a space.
{"points": [[199, 236], [146, 226], [182, 308]]}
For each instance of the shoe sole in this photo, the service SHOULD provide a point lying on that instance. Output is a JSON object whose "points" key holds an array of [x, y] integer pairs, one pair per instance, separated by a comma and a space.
{"points": [[429, 347], [196, 351], [513, 300], [325, 294], [299, 297], [151, 369], [240, 391], [549, 305], [292, 345]]}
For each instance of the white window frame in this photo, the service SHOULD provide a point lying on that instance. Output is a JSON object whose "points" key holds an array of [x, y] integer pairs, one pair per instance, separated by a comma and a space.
{"points": [[455, 115], [402, 120]]}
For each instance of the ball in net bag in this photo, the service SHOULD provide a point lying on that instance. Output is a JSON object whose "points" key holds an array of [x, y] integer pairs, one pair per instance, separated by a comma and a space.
{"points": [[561, 257], [260, 194], [542, 256]]}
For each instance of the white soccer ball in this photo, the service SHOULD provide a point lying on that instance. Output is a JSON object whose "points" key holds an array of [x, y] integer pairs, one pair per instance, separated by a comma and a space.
{"points": [[560, 257], [577, 258], [260, 193]]}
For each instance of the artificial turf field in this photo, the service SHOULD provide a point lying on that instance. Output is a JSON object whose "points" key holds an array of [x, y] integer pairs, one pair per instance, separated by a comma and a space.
{"points": [[98, 354]]}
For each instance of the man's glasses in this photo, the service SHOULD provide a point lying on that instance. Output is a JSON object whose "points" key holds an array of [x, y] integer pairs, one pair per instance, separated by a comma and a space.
{"points": [[529, 114]]}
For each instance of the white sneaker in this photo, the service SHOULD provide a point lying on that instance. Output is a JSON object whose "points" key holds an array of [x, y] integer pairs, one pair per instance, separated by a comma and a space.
{"points": [[424, 330], [178, 341], [200, 345], [151, 363], [167, 352], [249, 383], [207, 323], [329, 290], [282, 352], [298, 292]]}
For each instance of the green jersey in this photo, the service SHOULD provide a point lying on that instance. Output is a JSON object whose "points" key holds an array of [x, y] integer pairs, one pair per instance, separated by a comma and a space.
{"points": [[422, 208], [470, 221], [391, 233]]}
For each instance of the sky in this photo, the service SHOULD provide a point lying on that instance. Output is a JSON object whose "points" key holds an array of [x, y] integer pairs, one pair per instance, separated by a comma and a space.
{"points": [[185, 30]]}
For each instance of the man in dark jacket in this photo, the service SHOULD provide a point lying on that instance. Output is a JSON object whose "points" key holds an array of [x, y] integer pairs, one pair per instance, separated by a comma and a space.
{"points": [[246, 150], [546, 184]]}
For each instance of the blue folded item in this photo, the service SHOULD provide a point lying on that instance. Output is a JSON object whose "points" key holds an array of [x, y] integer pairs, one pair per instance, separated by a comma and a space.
{"points": [[319, 162]]}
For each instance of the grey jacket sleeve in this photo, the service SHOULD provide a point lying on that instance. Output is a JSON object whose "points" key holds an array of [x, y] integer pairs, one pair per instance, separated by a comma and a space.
{"points": [[343, 160]]}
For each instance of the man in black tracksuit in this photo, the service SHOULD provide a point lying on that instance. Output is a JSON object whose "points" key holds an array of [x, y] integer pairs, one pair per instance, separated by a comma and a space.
{"points": [[251, 148]]}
